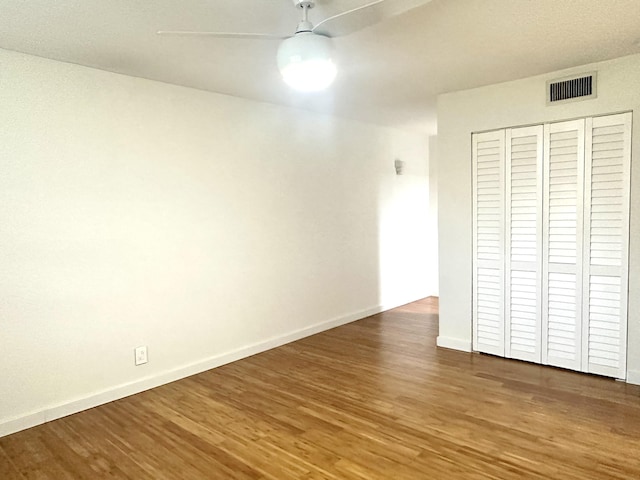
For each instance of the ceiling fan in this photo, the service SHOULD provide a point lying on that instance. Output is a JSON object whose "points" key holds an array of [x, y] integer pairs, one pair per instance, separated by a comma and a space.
{"points": [[305, 59]]}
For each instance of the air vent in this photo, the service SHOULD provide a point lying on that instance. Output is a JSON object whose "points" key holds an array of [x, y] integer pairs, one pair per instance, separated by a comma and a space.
{"points": [[572, 88]]}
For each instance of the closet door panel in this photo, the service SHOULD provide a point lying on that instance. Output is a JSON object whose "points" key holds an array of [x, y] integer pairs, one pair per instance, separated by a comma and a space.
{"points": [[488, 242], [523, 246], [606, 240], [562, 244]]}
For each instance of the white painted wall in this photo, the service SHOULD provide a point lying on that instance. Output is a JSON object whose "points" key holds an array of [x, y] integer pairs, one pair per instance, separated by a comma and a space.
{"points": [[433, 211], [206, 227], [516, 103], [403, 233]]}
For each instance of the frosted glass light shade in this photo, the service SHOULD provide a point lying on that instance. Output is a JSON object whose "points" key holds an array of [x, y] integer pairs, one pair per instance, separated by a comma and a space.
{"points": [[305, 62]]}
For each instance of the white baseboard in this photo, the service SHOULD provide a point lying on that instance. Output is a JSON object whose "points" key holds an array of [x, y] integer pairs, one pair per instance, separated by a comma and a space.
{"points": [[54, 412], [8, 427], [453, 343], [633, 376]]}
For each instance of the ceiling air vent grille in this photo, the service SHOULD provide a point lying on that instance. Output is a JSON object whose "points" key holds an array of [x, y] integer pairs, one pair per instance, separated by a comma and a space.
{"points": [[574, 88]]}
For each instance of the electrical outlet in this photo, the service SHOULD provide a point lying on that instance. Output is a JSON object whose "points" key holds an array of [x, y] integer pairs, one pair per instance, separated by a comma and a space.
{"points": [[141, 355]]}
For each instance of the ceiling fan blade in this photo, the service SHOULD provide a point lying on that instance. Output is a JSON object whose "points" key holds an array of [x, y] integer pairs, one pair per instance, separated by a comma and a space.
{"points": [[246, 36], [364, 16]]}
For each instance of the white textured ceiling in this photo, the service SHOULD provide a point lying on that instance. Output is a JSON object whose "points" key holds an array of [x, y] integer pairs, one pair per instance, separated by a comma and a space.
{"points": [[389, 73]]}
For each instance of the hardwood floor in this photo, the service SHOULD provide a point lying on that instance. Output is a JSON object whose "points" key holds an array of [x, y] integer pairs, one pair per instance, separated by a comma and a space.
{"points": [[374, 399]]}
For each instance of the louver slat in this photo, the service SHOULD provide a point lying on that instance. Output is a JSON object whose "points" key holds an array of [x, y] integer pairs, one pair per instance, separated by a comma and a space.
{"points": [[523, 228], [606, 234], [562, 252], [488, 240], [604, 324]]}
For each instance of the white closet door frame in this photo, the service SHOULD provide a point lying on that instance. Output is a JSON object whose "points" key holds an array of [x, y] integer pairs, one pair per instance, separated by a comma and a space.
{"points": [[562, 270], [528, 316], [621, 271], [488, 274]]}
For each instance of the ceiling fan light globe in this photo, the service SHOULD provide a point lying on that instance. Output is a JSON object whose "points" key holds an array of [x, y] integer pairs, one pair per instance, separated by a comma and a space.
{"points": [[305, 62], [310, 76]]}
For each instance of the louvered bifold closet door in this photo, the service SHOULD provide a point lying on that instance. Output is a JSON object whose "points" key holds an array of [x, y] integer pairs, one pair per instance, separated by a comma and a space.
{"points": [[488, 242], [606, 240], [562, 244], [523, 225]]}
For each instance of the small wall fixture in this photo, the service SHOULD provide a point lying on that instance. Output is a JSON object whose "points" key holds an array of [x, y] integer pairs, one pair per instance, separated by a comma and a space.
{"points": [[399, 166]]}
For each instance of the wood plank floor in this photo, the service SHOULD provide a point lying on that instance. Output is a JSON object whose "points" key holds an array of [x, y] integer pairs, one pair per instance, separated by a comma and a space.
{"points": [[374, 399]]}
